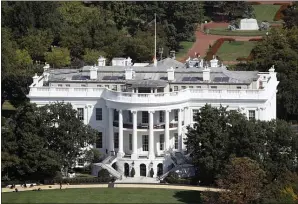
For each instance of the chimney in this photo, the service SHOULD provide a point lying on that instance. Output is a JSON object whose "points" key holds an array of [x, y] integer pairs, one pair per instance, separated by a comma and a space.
{"points": [[128, 74], [206, 74], [93, 73], [171, 74], [214, 62], [35, 79], [172, 54], [46, 67], [128, 62], [101, 61]]}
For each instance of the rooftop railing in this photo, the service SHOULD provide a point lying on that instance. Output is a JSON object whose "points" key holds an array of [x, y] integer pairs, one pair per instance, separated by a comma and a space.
{"points": [[168, 97]]}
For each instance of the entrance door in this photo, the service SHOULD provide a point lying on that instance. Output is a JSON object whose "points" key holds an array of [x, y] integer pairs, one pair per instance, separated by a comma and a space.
{"points": [[142, 170], [114, 165], [126, 169]]}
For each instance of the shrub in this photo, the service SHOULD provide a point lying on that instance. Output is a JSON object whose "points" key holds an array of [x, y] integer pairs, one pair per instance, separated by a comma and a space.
{"points": [[104, 175], [255, 3], [79, 180], [258, 39], [133, 172], [151, 172]]}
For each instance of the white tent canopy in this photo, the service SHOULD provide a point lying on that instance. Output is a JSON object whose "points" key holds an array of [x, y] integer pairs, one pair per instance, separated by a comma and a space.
{"points": [[249, 24]]}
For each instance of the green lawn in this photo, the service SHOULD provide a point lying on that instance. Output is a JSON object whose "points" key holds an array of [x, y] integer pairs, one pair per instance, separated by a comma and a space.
{"points": [[7, 106], [104, 195], [231, 51], [225, 31], [186, 45], [265, 12]]}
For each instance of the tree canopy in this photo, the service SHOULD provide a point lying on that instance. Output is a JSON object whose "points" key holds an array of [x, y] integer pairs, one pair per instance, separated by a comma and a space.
{"points": [[39, 141], [219, 135]]}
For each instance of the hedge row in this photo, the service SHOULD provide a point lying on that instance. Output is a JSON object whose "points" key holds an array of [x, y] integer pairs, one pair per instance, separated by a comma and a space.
{"points": [[258, 39], [213, 50], [279, 15], [255, 3], [79, 180]]}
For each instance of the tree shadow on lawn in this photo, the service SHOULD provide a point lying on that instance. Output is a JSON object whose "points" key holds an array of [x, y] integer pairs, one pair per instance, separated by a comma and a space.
{"points": [[189, 197]]}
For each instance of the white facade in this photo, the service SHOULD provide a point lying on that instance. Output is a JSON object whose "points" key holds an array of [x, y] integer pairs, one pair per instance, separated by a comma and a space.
{"points": [[143, 120]]}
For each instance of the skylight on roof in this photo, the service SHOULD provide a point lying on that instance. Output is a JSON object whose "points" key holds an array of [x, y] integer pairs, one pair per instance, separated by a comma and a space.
{"points": [[111, 78], [221, 79], [80, 77], [192, 79]]}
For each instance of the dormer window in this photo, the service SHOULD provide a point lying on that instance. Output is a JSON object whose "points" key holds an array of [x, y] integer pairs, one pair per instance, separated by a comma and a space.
{"points": [[83, 85], [67, 85], [98, 85], [59, 85]]}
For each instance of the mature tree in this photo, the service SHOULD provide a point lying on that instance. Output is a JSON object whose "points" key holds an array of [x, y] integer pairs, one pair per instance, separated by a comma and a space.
{"points": [[58, 57], [243, 179], [280, 48], [65, 133], [291, 16], [37, 42], [23, 58], [91, 56], [41, 141], [220, 134]]}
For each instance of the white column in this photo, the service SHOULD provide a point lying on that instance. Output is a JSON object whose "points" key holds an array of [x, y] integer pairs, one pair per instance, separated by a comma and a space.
{"points": [[167, 130], [151, 136], [134, 135], [120, 152], [185, 122], [179, 130], [111, 131]]}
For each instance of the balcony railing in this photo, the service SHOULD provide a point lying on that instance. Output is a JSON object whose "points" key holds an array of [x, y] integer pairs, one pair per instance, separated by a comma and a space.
{"points": [[146, 126]]}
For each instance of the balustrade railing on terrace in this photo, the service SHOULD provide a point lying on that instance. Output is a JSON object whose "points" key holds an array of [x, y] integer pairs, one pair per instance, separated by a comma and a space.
{"points": [[146, 126], [168, 97]]}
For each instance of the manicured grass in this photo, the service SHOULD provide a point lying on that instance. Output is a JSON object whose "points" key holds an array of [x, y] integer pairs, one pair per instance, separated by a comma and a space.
{"points": [[231, 51], [186, 45], [104, 195], [226, 32], [265, 12], [7, 106]]}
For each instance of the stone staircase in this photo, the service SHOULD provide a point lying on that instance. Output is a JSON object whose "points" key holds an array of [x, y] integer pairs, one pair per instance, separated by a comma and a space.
{"points": [[106, 164]]}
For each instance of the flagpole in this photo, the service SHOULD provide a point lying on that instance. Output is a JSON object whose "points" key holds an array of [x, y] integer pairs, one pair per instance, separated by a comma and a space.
{"points": [[155, 61]]}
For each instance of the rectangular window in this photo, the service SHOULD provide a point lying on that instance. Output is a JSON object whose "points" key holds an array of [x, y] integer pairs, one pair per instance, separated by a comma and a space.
{"points": [[116, 115], [145, 117], [160, 90], [99, 140], [175, 88], [83, 85], [183, 87], [145, 142], [130, 116], [161, 116], [176, 141], [81, 162], [251, 114], [194, 114], [98, 85], [238, 87], [116, 140], [176, 115], [67, 85], [191, 87], [98, 112], [161, 141], [107, 86], [198, 87], [114, 87], [59, 85], [213, 87], [130, 141], [80, 114]]}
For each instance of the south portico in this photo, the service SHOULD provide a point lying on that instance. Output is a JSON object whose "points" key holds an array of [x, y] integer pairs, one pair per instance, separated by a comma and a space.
{"points": [[143, 133]]}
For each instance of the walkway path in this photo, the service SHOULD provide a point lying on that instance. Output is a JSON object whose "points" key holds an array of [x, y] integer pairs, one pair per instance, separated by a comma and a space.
{"points": [[117, 185], [203, 41], [137, 180]]}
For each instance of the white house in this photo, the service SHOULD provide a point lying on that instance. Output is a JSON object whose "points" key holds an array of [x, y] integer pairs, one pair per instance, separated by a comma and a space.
{"points": [[141, 112]]}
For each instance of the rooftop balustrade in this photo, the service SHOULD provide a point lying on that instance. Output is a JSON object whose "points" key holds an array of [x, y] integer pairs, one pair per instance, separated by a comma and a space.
{"points": [[151, 98]]}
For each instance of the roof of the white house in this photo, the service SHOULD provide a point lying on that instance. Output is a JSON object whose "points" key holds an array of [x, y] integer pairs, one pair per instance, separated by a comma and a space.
{"points": [[183, 74]]}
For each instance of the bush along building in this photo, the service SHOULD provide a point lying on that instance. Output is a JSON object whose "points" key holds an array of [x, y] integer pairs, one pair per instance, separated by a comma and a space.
{"points": [[142, 110]]}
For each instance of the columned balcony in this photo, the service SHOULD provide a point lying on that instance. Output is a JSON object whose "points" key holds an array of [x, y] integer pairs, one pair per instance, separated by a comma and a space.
{"points": [[146, 126]]}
